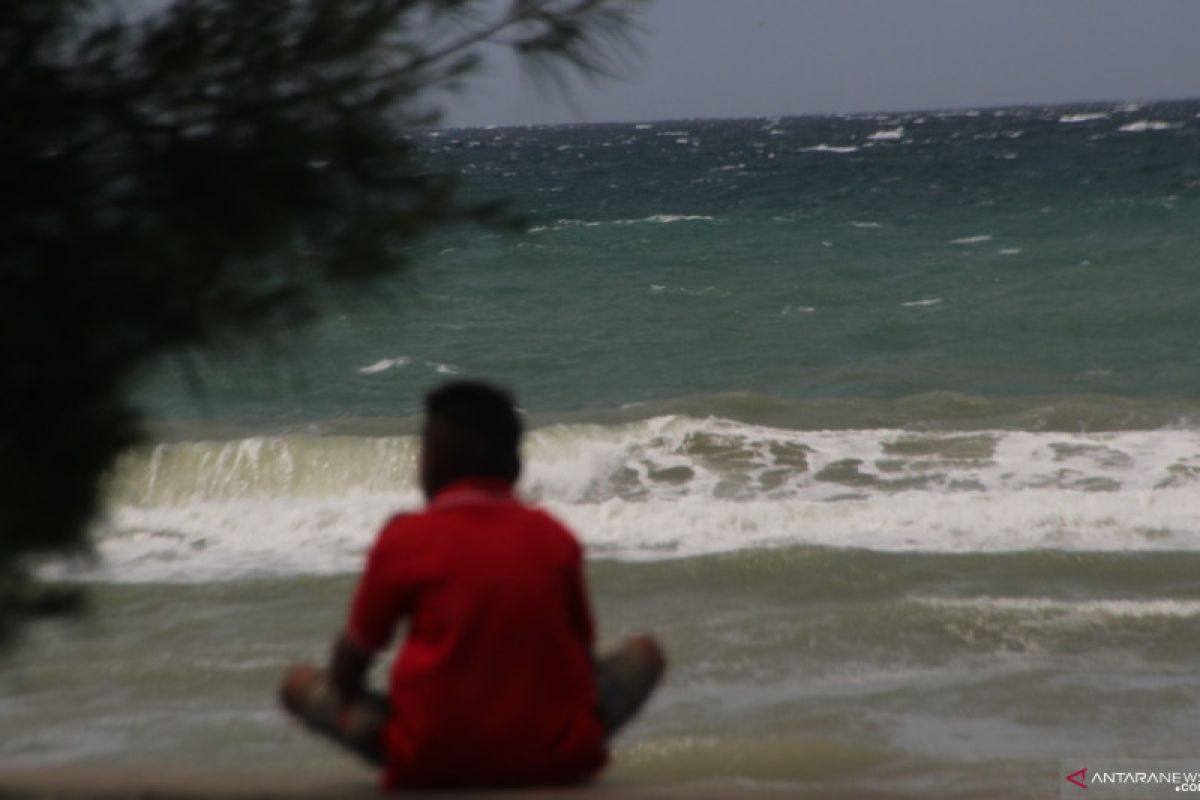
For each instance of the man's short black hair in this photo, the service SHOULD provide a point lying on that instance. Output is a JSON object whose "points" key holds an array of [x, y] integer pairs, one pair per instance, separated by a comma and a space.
{"points": [[479, 432]]}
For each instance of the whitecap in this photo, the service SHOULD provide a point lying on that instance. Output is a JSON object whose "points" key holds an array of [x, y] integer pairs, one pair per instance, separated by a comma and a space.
{"points": [[886, 135], [866, 224], [384, 364], [931, 301], [825, 148], [685, 291], [443, 369], [1071, 119], [668, 218], [1010, 251], [986, 237], [655, 218], [1143, 125]]}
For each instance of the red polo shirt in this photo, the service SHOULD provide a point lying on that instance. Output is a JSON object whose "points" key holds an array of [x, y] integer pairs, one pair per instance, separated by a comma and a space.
{"points": [[494, 682]]}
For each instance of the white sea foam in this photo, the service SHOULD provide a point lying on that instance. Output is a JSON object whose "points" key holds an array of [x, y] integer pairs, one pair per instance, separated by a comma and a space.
{"points": [[653, 218], [825, 148], [932, 301], [1143, 125], [866, 224], [689, 291], [986, 237], [669, 218], [1010, 251], [1071, 119], [1050, 607], [208, 541], [887, 135], [664, 487], [385, 364]]}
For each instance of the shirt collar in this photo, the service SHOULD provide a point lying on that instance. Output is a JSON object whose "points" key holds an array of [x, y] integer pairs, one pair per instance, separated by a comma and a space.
{"points": [[473, 491]]}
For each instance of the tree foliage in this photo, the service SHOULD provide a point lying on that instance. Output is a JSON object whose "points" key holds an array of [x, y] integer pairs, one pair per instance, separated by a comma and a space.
{"points": [[182, 173]]}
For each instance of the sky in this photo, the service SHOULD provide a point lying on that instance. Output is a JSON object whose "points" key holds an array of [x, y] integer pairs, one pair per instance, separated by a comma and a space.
{"points": [[756, 58]]}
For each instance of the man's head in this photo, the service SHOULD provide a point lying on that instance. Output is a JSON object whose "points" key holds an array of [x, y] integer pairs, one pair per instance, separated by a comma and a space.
{"points": [[471, 431]]}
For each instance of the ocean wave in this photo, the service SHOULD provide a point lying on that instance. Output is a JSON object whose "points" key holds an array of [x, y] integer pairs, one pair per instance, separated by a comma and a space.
{"points": [[662, 219], [1072, 119], [703, 291], [887, 135], [664, 487], [1054, 607], [384, 364], [979, 239], [1143, 125], [825, 148], [675, 457]]}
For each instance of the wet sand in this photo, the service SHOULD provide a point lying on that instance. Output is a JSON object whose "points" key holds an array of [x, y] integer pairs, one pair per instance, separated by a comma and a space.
{"points": [[87, 782]]}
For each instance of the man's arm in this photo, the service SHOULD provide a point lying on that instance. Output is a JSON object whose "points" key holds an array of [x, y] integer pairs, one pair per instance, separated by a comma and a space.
{"points": [[385, 593], [349, 664], [578, 606]]}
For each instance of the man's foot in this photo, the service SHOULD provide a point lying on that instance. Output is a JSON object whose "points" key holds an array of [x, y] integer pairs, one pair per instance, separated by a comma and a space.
{"points": [[297, 685], [308, 695]]}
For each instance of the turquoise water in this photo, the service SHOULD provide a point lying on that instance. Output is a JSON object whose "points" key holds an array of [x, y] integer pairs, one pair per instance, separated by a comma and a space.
{"points": [[1005, 253], [889, 425]]}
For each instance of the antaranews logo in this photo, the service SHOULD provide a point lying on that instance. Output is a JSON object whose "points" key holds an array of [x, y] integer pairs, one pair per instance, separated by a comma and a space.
{"points": [[1130, 779]]}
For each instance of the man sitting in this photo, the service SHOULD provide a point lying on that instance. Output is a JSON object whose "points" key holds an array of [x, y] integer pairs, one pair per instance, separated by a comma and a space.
{"points": [[495, 683]]}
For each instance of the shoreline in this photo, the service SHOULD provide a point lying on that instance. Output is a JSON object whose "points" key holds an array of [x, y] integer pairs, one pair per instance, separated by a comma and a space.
{"points": [[73, 782]]}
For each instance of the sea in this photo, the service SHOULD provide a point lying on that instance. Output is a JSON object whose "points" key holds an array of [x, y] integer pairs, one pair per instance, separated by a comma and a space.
{"points": [[888, 425]]}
